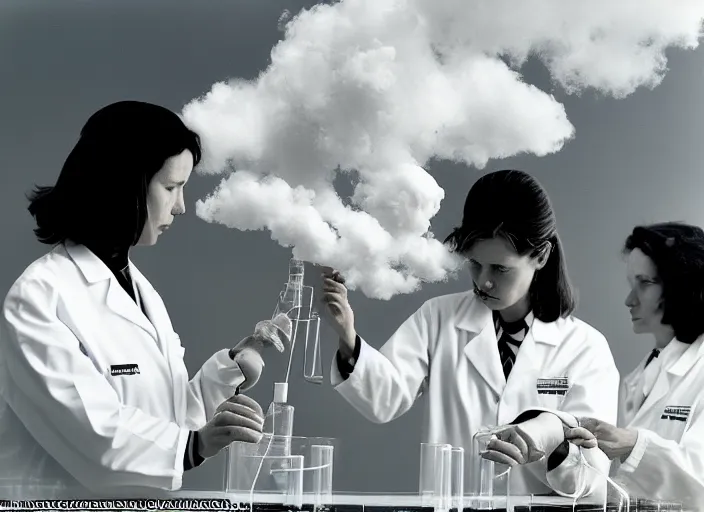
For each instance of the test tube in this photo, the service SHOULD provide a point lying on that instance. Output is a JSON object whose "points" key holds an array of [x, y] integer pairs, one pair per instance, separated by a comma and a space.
{"points": [[312, 359], [434, 478], [457, 478], [484, 470], [322, 459]]}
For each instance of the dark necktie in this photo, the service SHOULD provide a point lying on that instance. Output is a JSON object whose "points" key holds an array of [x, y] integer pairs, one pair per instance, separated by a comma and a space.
{"points": [[655, 353], [509, 333]]}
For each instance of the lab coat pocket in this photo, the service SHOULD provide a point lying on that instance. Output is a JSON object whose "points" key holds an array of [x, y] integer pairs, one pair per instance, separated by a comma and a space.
{"points": [[674, 421], [552, 391]]}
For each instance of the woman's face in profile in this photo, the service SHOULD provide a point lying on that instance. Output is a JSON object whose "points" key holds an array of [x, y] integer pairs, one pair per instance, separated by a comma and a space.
{"points": [[645, 298], [165, 196]]}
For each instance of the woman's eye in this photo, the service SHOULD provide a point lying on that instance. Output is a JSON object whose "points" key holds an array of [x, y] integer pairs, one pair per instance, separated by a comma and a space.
{"points": [[169, 188], [502, 270]]}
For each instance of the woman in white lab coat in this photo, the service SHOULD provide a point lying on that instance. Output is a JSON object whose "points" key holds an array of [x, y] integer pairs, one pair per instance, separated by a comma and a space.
{"points": [[658, 447], [95, 398], [463, 349]]}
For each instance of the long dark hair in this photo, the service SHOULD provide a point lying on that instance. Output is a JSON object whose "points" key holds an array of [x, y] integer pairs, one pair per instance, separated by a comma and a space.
{"points": [[514, 205], [100, 196], [677, 250]]}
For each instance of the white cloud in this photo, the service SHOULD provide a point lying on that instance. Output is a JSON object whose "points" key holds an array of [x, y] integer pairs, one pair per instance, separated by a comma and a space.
{"points": [[380, 87]]}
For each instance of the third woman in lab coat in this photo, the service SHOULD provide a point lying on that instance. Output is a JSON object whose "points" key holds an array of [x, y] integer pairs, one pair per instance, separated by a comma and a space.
{"points": [[507, 351], [95, 398], [658, 447]]}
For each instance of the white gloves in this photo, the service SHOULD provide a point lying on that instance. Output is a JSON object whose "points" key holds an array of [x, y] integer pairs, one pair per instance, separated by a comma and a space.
{"points": [[248, 352]]}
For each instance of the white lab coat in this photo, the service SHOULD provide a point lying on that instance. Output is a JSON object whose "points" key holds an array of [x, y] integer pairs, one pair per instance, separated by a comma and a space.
{"points": [[667, 462], [69, 424], [448, 348]]}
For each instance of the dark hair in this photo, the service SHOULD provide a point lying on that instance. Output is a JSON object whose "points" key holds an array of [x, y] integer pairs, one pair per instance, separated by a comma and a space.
{"points": [[677, 250], [101, 193], [514, 205]]}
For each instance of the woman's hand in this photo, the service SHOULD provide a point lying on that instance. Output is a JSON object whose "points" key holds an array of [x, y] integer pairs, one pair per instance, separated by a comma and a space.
{"points": [[237, 419], [580, 436], [615, 442], [512, 446], [248, 352], [338, 309]]}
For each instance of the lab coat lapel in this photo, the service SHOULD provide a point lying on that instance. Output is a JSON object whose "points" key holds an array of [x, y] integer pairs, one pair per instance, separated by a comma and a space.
{"points": [[122, 304], [668, 379], [157, 315], [540, 339], [169, 343], [116, 299], [482, 348], [631, 394]]}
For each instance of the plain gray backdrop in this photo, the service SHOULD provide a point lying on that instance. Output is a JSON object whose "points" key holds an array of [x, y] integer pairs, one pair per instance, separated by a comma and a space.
{"points": [[633, 161]]}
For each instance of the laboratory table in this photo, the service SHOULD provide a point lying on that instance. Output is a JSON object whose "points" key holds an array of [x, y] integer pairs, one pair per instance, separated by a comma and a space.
{"points": [[192, 500], [348, 502]]}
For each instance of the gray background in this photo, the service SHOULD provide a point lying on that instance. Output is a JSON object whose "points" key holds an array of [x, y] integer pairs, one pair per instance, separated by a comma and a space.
{"points": [[634, 160]]}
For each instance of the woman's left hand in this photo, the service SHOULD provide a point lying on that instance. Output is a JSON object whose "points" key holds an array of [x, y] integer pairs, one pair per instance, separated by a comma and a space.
{"points": [[615, 442], [247, 353], [274, 333], [512, 446]]}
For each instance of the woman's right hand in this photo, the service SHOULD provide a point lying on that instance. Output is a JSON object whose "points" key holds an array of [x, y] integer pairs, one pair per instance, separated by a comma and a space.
{"points": [[237, 419], [338, 309]]}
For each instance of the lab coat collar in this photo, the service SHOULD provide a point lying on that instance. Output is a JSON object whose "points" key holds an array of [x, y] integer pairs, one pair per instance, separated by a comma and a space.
{"points": [[90, 265], [474, 316], [665, 379], [689, 358], [117, 299]]}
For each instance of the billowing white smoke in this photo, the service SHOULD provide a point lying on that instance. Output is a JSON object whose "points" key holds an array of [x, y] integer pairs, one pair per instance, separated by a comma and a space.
{"points": [[382, 86]]}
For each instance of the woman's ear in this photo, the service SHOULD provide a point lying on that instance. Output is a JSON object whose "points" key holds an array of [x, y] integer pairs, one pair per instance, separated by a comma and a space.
{"points": [[542, 258]]}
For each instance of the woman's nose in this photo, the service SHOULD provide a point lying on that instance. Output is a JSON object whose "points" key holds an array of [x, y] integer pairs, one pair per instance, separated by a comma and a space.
{"points": [[180, 206], [631, 299]]}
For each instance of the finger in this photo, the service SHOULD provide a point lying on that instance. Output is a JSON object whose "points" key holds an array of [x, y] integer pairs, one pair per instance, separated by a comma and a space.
{"points": [[499, 457], [507, 449], [585, 443], [332, 273], [589, 423], [237, 411], [518, 439], [334, 308], [579, 432], [247, 402], [331, 298], [272, 341], [252, 341], [333, 295], [232, 419], [228, 434], [240, 410], [330, 285], [334, 304]]}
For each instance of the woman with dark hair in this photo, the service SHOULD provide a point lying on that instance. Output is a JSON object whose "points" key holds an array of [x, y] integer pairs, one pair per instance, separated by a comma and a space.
{"points": [[658, 447], [463, 349], [94, 393]]}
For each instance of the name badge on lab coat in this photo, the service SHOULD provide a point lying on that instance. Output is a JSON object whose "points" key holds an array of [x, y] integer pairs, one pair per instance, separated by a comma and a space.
{"points": [[554, 386], [676, 412], [124, 369]]}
